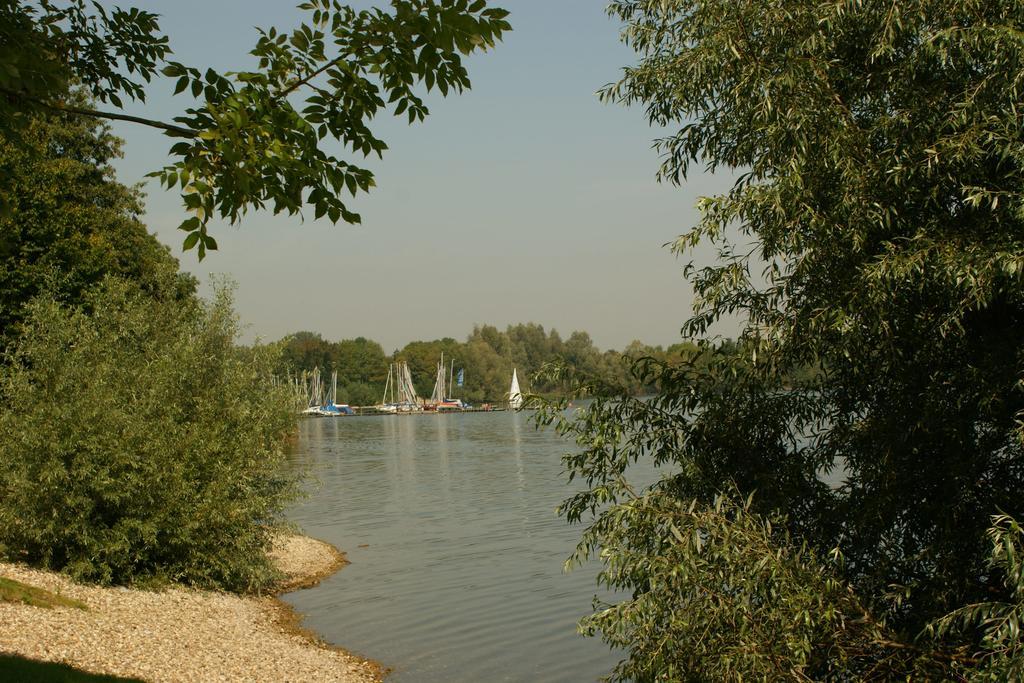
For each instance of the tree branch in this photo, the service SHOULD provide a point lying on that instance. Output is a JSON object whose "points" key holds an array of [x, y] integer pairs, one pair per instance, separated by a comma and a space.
{"points": [[955, 656], [307, 78], [95, 113]]}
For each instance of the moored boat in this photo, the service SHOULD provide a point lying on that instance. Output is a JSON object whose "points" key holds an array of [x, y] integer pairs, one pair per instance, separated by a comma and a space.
{"points": [[515, 396], [400, 390]]}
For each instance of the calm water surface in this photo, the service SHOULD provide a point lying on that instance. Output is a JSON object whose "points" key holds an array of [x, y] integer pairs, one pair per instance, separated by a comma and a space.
{"points": [[456, 550]]}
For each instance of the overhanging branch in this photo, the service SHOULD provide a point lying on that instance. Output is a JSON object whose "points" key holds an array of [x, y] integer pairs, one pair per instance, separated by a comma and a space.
{"points": [[115, 116]]}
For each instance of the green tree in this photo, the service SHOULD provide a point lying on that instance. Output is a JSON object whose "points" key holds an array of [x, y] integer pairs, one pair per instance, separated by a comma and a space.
{"points": [[304, 351], [139, 443], [877, 153], [486, 367], [69, 222], [530, 345], [580, 350], [250, 141], [362, 369], [423, 357], [493, 337], [360, 360], [998, 622]]}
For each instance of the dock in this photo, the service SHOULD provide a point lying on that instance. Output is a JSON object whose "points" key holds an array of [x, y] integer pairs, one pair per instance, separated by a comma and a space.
{"points": [[370, 411], [373, 411]]}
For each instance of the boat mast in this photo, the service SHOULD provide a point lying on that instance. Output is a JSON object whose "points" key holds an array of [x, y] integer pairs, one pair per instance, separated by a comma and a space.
{"points": [[384, 399], [316, 393], [409, 387]]}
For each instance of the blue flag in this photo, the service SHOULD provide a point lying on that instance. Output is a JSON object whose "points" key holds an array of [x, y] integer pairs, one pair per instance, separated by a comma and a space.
{"points": [[461, 376]]}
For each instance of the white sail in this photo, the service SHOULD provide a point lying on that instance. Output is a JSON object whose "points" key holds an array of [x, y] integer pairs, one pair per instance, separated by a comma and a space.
{"points": [[399, 391], [515, 397], [439, 392], [408, 389]]}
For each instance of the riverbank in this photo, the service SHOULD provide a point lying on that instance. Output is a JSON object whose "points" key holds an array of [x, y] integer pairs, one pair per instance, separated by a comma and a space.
{"points": [[184, 635]]}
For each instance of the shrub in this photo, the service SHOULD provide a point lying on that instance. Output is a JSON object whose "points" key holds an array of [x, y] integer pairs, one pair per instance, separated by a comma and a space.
{"points": [[1001, 656], [140, 444], [719, 593]]}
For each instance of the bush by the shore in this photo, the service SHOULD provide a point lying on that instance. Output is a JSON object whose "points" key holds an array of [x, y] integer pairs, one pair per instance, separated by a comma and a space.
{"points": [[140, 444]]}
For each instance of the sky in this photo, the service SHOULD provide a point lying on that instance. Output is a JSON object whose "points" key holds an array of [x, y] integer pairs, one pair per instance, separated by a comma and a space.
{"points": [[525, 199]]}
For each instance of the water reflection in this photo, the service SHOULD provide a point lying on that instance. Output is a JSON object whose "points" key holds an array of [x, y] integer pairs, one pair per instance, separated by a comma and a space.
{"points": [[456, 550], [517, 447]]}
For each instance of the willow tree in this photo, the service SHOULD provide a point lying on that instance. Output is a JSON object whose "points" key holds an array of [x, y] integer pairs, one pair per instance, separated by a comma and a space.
{"points": [[873, 230], [263, 137]]}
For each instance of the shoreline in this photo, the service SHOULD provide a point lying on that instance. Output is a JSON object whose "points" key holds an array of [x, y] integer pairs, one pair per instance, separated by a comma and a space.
{"points": [[182, 634], [300, 575]]}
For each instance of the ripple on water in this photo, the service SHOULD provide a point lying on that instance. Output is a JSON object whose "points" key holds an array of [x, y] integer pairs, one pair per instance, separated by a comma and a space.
{"points": [[461, 577]]}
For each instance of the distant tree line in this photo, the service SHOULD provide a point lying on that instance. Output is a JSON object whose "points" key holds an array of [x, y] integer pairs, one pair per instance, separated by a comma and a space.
{"points": [[486, 357]]}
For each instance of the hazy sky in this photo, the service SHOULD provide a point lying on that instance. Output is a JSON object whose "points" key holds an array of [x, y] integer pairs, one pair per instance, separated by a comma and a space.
{"points": [[525, 199]]}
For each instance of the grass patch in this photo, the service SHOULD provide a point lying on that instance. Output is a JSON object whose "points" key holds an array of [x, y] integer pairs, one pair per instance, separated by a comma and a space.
{"points": [[16, 591], [13, 668]]}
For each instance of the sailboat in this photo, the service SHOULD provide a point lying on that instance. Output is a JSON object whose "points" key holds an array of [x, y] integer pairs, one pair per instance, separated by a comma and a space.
{"points": [[312, 391], [440, 398], [332, 408], [515, 396], [319, 404], [403, 392], [437, 396], [385, 405]]}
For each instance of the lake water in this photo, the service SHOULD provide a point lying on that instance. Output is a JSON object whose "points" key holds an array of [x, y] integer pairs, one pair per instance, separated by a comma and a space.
{"points": [[449, 523]]}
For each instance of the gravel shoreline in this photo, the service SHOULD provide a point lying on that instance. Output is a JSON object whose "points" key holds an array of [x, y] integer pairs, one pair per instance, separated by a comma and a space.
{"points": [[181, 635]]}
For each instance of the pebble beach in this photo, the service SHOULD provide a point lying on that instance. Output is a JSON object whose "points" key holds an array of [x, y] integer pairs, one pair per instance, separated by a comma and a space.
{"points": [[184, 635]]}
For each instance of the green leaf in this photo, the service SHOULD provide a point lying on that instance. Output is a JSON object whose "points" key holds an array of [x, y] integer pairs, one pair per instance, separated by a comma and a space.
{"points": [[257, 144]]}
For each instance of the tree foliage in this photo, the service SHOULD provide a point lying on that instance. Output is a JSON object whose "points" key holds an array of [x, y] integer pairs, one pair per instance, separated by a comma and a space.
{"points": [[139, 444], [46, 48], [360, 363], [70, 223], [874, 231], [759, 605], [256, 138], [998, 622]]}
